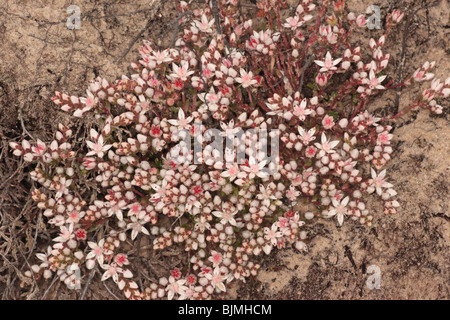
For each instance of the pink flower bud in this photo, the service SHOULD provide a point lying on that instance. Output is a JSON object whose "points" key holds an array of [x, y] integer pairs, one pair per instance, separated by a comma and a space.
{"points": [[339, 5], [361, 21], [321, 80], [397, 16], [345, 65], [347, 53], [343, 123], [351, 16]]}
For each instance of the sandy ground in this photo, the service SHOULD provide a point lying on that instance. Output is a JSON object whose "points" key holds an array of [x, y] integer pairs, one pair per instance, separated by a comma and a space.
{"points": [[39, 55]]}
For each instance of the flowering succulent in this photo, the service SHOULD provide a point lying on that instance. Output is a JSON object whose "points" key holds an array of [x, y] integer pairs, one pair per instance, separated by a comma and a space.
{"points": [[136, 175]]}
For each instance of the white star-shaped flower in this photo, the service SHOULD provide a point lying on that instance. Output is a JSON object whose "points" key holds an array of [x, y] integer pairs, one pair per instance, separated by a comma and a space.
{"points": [[182, 121], [328, 64], [339, 209]]}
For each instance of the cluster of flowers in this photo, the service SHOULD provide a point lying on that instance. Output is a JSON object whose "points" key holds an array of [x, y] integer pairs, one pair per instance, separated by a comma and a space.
{"points": [[123, 180]]}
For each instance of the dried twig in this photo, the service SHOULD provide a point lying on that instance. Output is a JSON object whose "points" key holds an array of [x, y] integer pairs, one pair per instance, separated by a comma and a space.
{"points": [[148, 24], [305, 67], [349, 255], [177, 26], [88, 282], [55, 278], [110, 292], [215, 12], [402, 60]]}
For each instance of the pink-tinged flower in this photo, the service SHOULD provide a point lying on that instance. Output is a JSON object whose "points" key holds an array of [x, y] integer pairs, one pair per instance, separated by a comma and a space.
{"points": [[328, 122], [379, 181], [300, 111], [181, 72], [293, 23], [384, 138], [226, 216], [40, 148], [266, 195], [182, 122], [307, 136], [397, 16], [97, 252], [339, 210], [246, 79], [161, 56], [328, 64], [91, 101], [292, 193], [135, 209], [215, 258], [121, 259], [136, 226], [321, 79], [310, 152], [326, 146], [112, 271], [204, 25], [217, 278], [233, 172], [116, 209], [419, 75], [361, 21], [175, 287], [66, 234], [74, 217], [255, 169], [98, 148], [272, 234], [373, 82]]}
